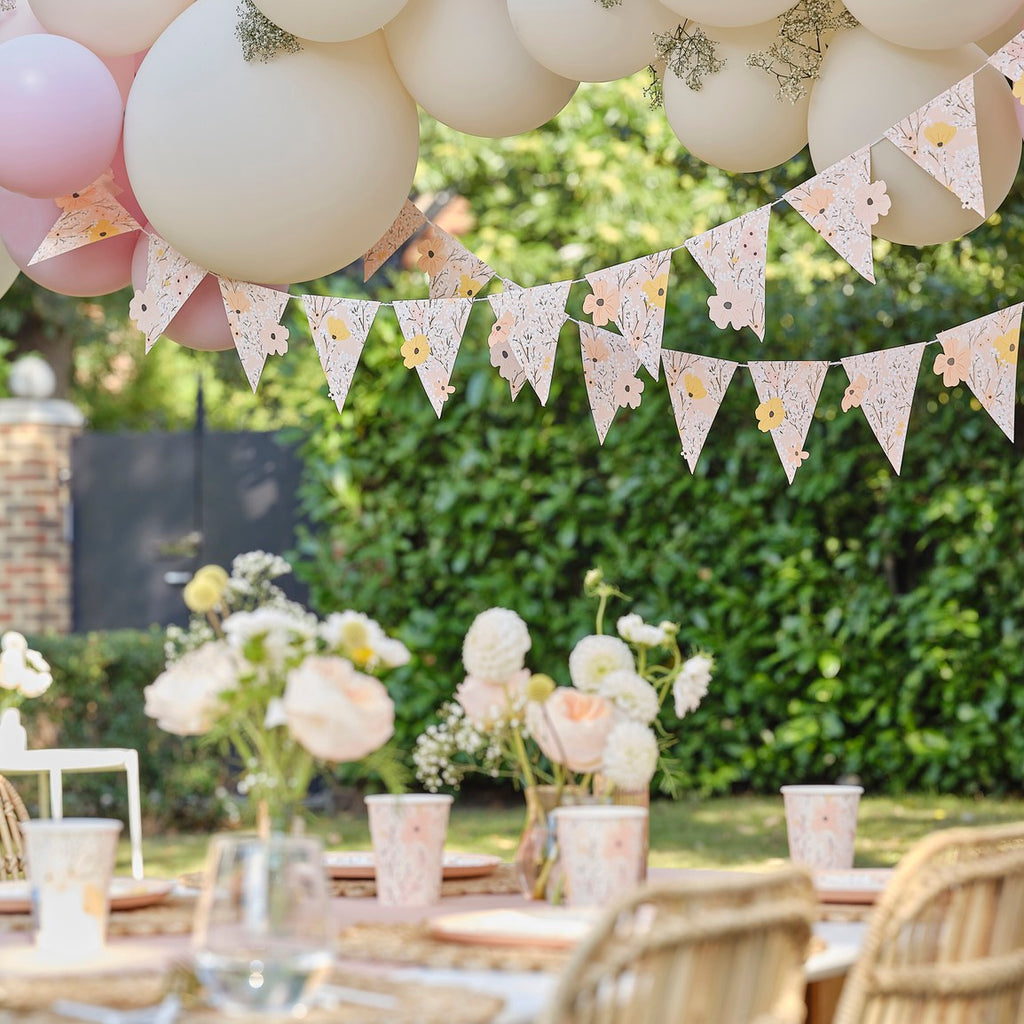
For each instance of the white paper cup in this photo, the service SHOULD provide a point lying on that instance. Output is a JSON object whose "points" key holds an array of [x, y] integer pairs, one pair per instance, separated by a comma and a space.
{"points": [[601, 850], [821, 825], [408, 831], [70, 862]]}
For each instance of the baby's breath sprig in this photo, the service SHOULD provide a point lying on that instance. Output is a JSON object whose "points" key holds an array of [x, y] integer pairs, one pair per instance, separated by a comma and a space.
{"points": [[261, 39], [7, 5], [689, 53], [654, 91], [609, 4]]}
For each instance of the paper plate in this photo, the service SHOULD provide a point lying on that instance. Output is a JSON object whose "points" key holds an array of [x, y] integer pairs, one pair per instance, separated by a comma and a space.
{"points": [[551, 927], [854, 885], [125, 894], [358, 864]]}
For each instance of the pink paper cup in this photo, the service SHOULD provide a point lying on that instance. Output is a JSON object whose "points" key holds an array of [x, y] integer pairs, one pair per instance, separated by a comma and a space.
{"points": [[408, 832], [601, 850], [821, 825]]}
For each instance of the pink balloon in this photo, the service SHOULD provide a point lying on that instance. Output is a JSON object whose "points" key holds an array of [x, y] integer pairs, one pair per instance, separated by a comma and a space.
{"points": [[60, 116], [19, 22]]}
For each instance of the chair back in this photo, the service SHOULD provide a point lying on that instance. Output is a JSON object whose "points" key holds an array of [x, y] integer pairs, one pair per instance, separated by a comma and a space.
{"points": [[12, 813], [726, 949], [945, 941]]}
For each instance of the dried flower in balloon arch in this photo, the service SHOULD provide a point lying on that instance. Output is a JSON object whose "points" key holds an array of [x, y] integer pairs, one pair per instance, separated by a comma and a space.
{"points": [[278, 689]]}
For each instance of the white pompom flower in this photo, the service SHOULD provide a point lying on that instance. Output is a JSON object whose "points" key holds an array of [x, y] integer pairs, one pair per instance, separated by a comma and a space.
{"points": [[631, 695], [633, 629], [594, 657], [495, 646], [691, 685], [630, 756]]}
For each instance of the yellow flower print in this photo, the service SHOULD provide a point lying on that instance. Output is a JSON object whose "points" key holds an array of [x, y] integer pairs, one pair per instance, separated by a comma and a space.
{"points": [[940, 134], [1006, 346], [103, 229], [468, 286], [337, 328], [694, 386], [656, 291], [415, 351], [1018, 89], [770, 414]]}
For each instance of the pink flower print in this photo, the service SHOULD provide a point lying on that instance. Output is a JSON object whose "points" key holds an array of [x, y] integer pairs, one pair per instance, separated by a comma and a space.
{"points": [[854, 394], [731, 306], [501, 329], [594, 348], [80, 200], [871, 201], [953, 363], [751, 247], [433, 254], [143, 310], [436, 387], [414, 827], [603, 304], [627, 390], [815, 205], [274, 339], [795, 456], [504, 360]]}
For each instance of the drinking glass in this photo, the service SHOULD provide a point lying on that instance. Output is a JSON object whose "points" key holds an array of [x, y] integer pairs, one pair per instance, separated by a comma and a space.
{"points": [[263, 939]]}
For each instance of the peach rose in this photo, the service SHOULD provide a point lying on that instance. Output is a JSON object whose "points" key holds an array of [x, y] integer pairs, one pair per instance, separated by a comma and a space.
{"points": [[485, 701], [571, 728]]}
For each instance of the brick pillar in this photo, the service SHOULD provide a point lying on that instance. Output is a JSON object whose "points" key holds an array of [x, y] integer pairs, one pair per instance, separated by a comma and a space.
{"points": [[35, 513]]}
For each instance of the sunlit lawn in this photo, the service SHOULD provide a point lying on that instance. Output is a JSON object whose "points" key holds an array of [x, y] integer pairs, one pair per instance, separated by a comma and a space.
{"points": [[690, 833]]}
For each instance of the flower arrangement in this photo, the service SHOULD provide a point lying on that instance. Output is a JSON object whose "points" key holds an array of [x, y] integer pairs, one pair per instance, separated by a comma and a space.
{"points": [[24, 672], [268, 680]]}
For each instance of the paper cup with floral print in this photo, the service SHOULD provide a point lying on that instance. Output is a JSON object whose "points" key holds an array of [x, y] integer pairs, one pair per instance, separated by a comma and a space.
{"points": [[601, 850], [821, 824], [408, 832], [70, 862]]}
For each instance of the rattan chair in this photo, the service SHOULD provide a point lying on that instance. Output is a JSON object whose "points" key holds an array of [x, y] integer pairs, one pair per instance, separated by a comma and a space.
{"points": [[716, 951], [945, 943], [12, 814]]}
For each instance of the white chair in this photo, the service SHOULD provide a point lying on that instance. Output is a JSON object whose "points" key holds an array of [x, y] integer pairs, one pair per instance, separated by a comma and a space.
{"points": [[49, 765]]}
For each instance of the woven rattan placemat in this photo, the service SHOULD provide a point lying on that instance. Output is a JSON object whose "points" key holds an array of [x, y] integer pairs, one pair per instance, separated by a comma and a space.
{"points": [[172, 916]]}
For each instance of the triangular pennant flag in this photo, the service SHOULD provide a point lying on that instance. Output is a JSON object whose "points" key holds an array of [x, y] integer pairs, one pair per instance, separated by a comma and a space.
{"points": [[788, 394], [633, 295], [339, 328], [254, 316], [433, 330], [87, 216], [983, 353], [942, 138], [696, 385], [882, 386], [733, 257], [1009, 59], [842, 204], [170, 279], [454, 272], [524, 337], [609, 369], [406, 224]]}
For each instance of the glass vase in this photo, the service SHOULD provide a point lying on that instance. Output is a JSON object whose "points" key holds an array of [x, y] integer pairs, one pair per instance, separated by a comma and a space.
{"points": [[537, 854]]}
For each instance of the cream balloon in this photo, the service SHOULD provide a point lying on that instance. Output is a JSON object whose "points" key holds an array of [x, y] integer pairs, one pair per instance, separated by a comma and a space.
{"points": [[992, 41], [284, 171], [8, 269], [728, 13], [931, 24], [110, 28], [466, 67], [735, 121], [867, 85], [582, 40], [330, 21]]}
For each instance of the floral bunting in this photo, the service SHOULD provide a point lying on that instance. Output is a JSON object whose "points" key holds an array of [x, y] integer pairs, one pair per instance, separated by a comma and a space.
{"points": [[339, 328], [983, 353], [733, 256], [90, 215], [1009, 59], [696, 386], [433, 330], [882, 386], [842, 204], [942, 138], [609, 369], [170, 279], [524, 337], [454, 272], [788, 394], [254, 316], [633, 295], [406, 224]]}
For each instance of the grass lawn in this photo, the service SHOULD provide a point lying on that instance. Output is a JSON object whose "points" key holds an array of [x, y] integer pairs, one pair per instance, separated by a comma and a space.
{"points": [[727, 831]]}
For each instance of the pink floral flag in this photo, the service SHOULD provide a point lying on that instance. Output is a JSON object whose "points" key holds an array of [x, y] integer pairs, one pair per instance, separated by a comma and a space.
{"points": [[788, 394], [942, 138], [406, 224], [254, 316], [339, 328], [524, 337], [733, 257], [696, 385], [632, 295], [609, 369], [882, 386], [454, 272], [87, 216], [433, 330], [983, 353], [1009, 59], [170, 279], [842, 204]]}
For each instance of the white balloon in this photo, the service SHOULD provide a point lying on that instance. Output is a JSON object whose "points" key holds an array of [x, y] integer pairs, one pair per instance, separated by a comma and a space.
{"points": [[330, 21], [8, 269], [729, 13], [110, 28], [464, 64], [867, 85], [931, 24], [992, 41], [19, 21], [582, 40], [280, 171], [736, 120]]}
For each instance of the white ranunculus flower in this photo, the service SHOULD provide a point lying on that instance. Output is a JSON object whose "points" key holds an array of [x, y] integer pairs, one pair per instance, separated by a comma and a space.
{"points": [[594, 657], [691, 685], [21, 668], [631, 695], [185, 698], [633, 629], [283, 634], [351, 631], [630, 756], [391, 653], [495, 646]]}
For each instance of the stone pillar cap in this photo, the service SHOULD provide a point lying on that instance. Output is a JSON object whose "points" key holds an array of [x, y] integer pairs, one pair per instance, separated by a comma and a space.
{"points": [[50, 411]]}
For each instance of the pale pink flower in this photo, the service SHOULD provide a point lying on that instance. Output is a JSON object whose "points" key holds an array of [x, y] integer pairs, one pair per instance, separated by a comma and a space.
{"points": [[571, 728], [731, 306]]}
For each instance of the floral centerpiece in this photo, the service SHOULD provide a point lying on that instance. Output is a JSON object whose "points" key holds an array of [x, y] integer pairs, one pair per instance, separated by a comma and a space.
{"points": [[24, 674], [281, 689]]}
